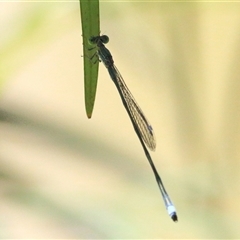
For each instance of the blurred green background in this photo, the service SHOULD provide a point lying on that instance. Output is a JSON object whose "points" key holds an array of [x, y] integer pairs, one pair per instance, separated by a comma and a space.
{"points": [[65, 176]]}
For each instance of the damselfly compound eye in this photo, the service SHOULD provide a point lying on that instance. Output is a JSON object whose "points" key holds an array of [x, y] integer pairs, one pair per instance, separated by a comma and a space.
{"points": [[104, 39], [93, 40]]}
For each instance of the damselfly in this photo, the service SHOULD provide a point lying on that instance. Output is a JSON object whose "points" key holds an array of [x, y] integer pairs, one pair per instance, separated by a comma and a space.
{"points": [[140, 123]]}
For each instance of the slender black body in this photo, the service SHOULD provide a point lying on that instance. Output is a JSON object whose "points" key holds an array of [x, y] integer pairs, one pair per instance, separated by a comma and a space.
{"points": [[140, 124]]}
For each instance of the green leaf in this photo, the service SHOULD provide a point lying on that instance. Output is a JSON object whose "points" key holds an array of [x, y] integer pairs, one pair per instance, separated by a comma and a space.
{"points": [[90, 27]]}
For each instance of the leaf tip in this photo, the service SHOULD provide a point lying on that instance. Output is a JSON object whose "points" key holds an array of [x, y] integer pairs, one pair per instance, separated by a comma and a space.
{"points": [[89, 115]]}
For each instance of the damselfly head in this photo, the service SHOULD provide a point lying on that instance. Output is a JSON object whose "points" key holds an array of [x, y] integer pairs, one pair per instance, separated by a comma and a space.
{"points": [[95, 40]]}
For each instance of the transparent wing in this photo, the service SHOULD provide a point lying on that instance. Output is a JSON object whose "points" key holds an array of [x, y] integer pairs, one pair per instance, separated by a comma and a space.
{"points": [[137, 114]]}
